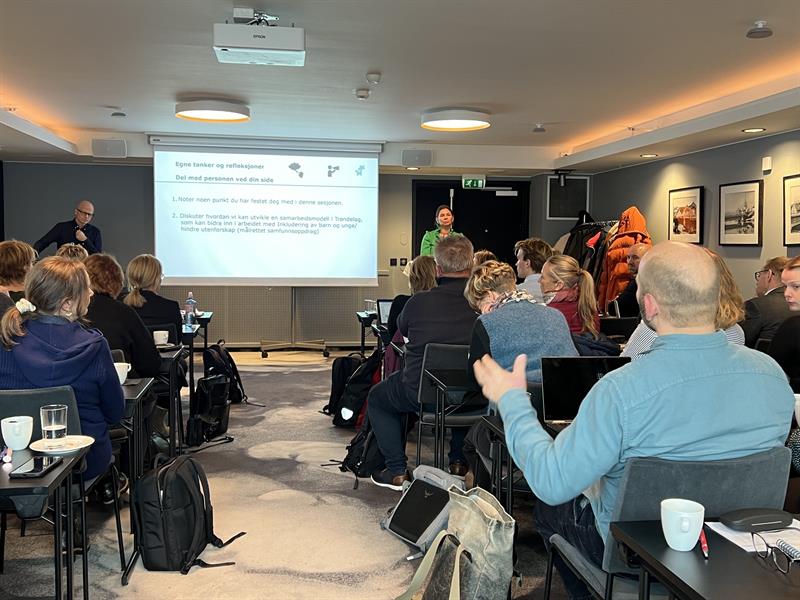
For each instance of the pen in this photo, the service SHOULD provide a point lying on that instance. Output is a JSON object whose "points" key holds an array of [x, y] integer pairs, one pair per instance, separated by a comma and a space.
{"points": [[704, 544]]}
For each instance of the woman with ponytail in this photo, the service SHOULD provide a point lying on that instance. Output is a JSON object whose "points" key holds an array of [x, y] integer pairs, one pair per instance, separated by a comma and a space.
{"points": [[570, 289], [45, 345], [144, 279]]}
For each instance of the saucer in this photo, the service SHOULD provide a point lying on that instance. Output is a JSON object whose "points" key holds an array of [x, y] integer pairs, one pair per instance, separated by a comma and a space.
{"points": [[67, 444]]}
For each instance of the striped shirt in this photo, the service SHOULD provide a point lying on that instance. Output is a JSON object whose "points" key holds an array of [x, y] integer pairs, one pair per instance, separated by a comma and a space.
{"points": [[643, 337]]}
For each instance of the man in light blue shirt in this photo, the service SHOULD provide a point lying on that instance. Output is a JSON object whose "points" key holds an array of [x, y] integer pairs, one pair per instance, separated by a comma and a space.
{"points": [[694, 396]]}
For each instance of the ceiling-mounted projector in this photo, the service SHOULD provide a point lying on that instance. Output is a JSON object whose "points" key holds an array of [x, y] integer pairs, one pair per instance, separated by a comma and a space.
{"points": [[260, 45]]}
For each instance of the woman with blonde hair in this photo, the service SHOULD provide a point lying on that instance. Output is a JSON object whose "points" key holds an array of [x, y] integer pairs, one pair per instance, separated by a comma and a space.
{"points": [[730, 311], [421, 278], [16, 259], [570, 289], [144, 278], [45, 328], [73, 252]]}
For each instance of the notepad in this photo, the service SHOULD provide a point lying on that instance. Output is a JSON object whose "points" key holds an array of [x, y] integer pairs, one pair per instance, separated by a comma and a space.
{"points": [[745, 541]]}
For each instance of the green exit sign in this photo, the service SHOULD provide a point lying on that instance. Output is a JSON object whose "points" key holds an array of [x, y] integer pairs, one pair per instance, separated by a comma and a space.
{"points": [[473, 182]]}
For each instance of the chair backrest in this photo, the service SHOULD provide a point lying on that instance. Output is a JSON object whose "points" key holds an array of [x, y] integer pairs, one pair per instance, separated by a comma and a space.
{"points": [[14, 403], [440, 356], [172, 334], [618, 328], [763, 344], [754, 481], [118, 355]]}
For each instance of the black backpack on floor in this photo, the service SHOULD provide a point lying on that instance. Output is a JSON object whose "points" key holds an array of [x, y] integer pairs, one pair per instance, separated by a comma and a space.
{"points": [[173, 516], [218, 361], [210, 412], [363, 455], [341, 370], [355, 392]]}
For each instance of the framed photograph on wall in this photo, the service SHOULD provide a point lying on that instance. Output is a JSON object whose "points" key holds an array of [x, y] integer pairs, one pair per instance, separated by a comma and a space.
{"points": [[791, 210], [740, 206], [567, 196], [686, 215]]}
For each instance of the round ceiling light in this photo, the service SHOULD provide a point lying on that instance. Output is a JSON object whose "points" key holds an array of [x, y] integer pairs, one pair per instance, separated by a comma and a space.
{"points": [[212, 111], [455, 119]]}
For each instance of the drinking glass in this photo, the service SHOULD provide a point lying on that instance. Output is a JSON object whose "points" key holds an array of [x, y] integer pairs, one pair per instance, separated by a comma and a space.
{"points": [[54, 424]]}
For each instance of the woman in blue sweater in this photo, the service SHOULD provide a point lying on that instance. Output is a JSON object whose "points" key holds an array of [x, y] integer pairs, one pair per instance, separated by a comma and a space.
{"points": [[45, 345]]}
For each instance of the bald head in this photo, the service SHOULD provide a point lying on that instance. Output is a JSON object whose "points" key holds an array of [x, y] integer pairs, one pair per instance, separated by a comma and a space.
{"points": [[84, 211], [683, 284], [635, 254]]}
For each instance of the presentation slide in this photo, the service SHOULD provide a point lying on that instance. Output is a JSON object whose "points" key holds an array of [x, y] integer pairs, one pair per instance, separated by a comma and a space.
{"points": [[266, 218]]}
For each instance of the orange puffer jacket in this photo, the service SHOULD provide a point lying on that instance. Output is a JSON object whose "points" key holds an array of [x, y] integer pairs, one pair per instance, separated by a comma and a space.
{"points": [[632, 229]]}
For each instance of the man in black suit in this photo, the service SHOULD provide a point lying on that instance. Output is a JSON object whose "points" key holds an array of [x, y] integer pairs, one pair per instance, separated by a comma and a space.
{"points": [[77, 231], [765, 313]]}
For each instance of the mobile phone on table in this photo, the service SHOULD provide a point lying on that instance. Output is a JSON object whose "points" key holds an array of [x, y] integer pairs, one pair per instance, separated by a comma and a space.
{"points": [[35, 467]]}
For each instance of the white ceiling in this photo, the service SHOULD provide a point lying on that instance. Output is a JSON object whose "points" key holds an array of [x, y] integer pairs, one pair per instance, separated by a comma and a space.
{"points": [[591, 68]]}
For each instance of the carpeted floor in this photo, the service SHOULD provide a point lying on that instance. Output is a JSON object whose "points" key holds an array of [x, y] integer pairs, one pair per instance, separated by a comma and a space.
{"points": [[309, 533]]}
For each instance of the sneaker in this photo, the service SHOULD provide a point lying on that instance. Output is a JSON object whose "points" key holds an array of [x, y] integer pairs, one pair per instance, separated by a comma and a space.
{"points": [[458, 469], [386, 479], [106, 491]]}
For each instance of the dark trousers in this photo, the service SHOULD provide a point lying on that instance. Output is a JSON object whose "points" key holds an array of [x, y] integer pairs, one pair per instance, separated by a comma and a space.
{"points": [[387, 403], [574, 521]]}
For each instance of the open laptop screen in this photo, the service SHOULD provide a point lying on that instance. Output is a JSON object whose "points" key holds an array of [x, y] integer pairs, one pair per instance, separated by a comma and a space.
{"points": [[567, 380], [384, 306]]}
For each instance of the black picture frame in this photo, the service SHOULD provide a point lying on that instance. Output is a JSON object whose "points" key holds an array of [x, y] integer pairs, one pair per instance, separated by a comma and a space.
{"points": [[791, 210], [741, 210], [680, 222]]}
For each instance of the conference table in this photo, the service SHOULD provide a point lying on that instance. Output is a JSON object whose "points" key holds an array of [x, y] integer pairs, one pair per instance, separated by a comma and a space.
{"points": [[730, 573], [29, 498], [170, 360], [134, 391], [365, 319]]}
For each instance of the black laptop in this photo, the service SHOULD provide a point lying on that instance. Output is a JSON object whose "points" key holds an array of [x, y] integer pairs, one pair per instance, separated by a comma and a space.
{"points": [[567, 380]]}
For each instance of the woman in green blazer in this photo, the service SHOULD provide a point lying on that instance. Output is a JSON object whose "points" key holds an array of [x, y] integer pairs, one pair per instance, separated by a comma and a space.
{"points": [[444, 228]]}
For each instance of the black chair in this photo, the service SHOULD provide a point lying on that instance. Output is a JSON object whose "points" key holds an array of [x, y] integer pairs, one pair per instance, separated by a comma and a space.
{"points": [[28, 402], [456, 412], [118, 356], [763, 344], [618, 329]]}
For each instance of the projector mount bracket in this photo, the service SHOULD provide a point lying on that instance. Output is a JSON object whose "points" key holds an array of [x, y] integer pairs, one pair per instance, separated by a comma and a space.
{"points": [[251, 16]]}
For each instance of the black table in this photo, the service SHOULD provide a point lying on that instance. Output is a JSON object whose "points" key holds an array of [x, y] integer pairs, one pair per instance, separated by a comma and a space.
{"points": [[730, 573], [365, 319], [170, 359], [502, 458], [134, 391], [446, 381], [203, 319], [29, 498], [188, 334]]}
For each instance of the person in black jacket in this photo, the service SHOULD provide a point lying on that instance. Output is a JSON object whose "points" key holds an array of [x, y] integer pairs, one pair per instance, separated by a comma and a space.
{"points": [[785, 346], [120, 324], [144, 278], [77, 231], [765, 313]]}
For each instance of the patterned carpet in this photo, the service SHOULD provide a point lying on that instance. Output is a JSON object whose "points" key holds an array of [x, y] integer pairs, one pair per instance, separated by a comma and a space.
{"points": [[309, 534]]}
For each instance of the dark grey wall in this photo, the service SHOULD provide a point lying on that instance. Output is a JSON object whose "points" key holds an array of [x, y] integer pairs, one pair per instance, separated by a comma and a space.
{"points": [[648, 186], [38, 195]]}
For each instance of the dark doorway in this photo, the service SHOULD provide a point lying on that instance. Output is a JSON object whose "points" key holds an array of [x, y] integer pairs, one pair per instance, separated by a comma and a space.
{"points": [[490, 221]]}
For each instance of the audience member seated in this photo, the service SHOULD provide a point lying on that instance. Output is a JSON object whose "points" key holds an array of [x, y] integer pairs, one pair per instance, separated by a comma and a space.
{"points": [[481, 256], [16, 259], [511, 323], [72, 251], [440, 315], [765, 313], [45, 329], [144, 279], [421, 278], [120, 324], [570, 289], [531, 255], [626, 301], [693, 397], [729, 312], [785, 346]]}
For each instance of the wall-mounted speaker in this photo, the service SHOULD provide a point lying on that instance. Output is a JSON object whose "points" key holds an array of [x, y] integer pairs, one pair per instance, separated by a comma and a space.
{"points": [[109, 148], [416, 158]]}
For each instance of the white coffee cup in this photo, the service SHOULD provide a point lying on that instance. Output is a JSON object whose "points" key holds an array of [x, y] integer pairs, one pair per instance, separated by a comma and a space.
{"points": [[681, 521], [122, 371], [160, 337], [797, 408], [17, 431]]}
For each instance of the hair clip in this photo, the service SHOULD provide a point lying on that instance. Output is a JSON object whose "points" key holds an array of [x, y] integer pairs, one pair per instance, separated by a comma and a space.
{"points": [[24, 306]]}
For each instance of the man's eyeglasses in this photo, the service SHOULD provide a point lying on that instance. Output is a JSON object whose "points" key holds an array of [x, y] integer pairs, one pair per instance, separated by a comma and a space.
{"points": [[83, 212], [757, 274], [783, 554]]}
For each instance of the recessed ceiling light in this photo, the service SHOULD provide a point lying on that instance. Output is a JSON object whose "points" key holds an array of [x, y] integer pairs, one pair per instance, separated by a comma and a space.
{"points": [[412, 168], [539, 128], [754, 130], [759, 30], [212, 111], [649, 155], [455, 119], [374, 78], [362, 93], [118, 113]]}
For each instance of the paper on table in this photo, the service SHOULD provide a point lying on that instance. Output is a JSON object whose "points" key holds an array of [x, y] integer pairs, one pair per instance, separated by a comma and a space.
{"points": [[745, 541]]}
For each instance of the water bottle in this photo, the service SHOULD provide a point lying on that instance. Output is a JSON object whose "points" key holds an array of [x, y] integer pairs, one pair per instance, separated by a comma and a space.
{"points": [[190, 307]]}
